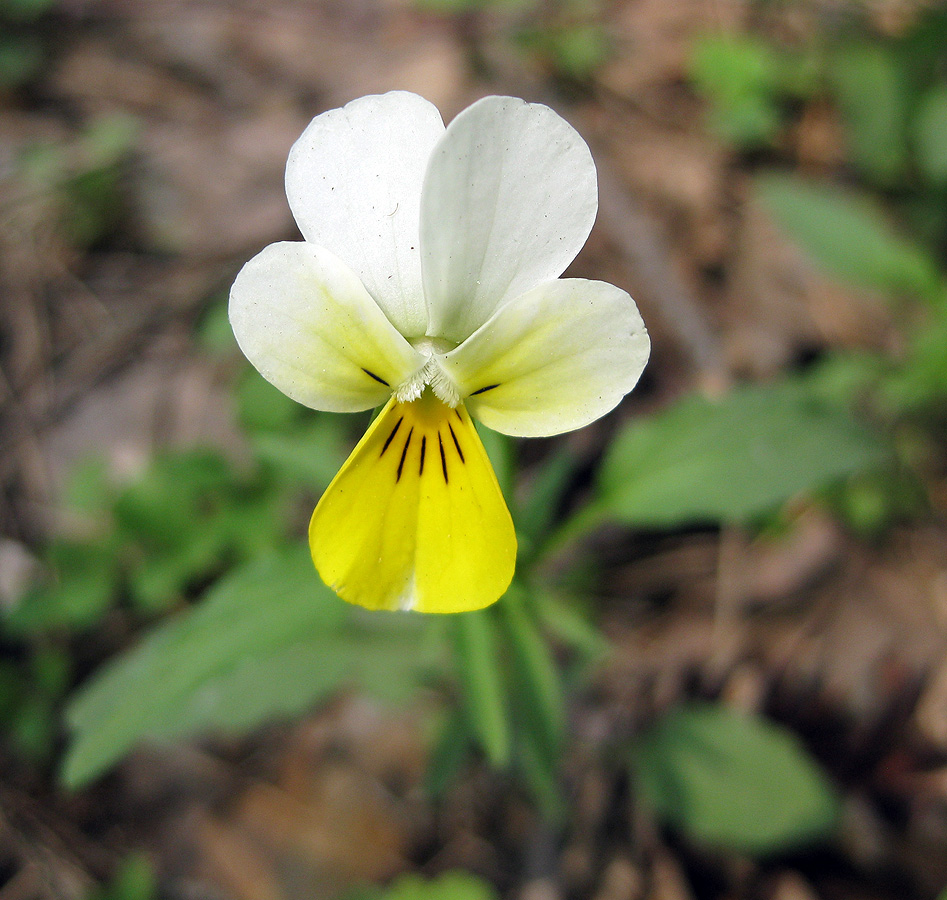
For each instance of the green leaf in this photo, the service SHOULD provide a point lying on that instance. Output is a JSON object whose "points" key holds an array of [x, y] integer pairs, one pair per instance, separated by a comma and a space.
{"points": [[502, 455], [848, 236], [92, 201], [107, 141], [464, 7], [449, 754], [921, 381], [481, 676], [540, 775], [24, 10], [571, 625], [846, 377], [573, 49], [134, 880], [727, 460], [213, 331], [51, 671], [578, 50], [872, 95], [311, 455], [82, 586], [930, 135], [88, 489], [922, 45], [540, 688], [740, 76], [449, 886], [188, 518], [166, 504], [450, 7], [241, 527], [34, 727], [268, 640], [21, 58], [262, 407], [546, 491], [12, 690], [734, 782]]}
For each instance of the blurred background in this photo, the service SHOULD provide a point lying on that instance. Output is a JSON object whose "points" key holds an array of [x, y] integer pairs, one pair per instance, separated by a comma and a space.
{"points": [[721, 673]]}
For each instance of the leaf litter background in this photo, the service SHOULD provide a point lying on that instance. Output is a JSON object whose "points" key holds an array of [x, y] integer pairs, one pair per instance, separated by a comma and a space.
{"points": [[166, 125]]}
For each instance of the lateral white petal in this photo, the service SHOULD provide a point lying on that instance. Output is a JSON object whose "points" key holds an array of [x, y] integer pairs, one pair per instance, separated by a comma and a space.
{"points": [[308, 325], [508, 201], [554, 359], [353, 180]]}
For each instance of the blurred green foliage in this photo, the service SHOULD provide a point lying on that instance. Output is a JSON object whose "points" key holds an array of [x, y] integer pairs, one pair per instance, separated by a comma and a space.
{"points": [[889, 95], [83, 178], [22, 41], [749, 82], [879, 222], [512, 702], [449, 886], [730, 459], [888, 92], [734, 781], [570, 46], [930, 135], [568, 39], [134, 880], [32, 686], [20, 60], [848, 235], [268, 640], [24, 10], [871, 91]]}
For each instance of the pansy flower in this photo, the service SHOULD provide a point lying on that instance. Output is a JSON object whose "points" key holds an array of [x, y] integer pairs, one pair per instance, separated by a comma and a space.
{"points": [[428, 283]]}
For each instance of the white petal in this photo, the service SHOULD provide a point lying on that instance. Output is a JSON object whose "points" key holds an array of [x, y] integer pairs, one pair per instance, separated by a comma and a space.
{"points": [[552, 360], [508, 201], [303, 318], [353, 180]]}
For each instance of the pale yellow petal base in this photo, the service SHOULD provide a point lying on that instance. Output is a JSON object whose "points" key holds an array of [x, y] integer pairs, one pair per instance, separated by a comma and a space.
{"points": [[415, 519]]}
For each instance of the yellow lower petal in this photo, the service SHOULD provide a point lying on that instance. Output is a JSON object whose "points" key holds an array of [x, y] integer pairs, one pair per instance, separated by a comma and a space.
{"points": [[415, 518]]}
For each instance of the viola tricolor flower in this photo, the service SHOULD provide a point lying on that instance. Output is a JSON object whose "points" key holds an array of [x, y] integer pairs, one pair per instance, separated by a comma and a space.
{"points": [[428, 281]]}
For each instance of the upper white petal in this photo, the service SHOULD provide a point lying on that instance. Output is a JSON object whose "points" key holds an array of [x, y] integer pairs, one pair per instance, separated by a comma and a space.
{"points": [[554, 359], [353, 180], [306, 322], [508, 201]]}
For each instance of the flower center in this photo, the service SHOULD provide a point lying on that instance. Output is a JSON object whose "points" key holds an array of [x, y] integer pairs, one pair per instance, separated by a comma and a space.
{"points": [[430, 374]]}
